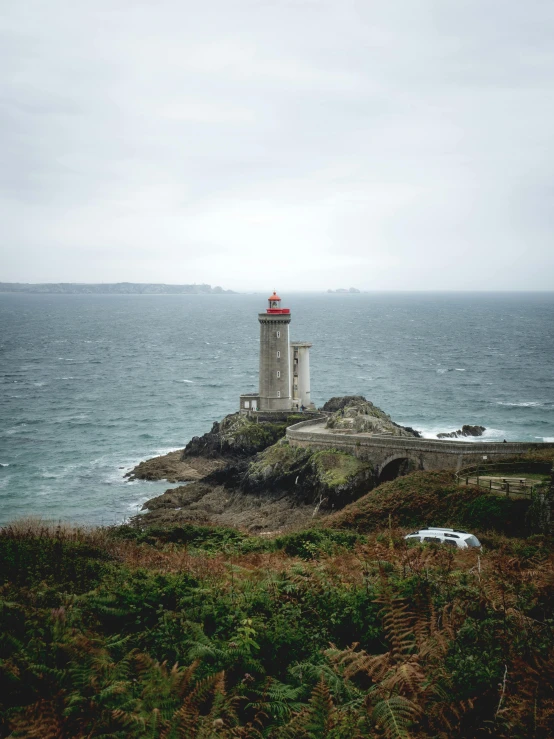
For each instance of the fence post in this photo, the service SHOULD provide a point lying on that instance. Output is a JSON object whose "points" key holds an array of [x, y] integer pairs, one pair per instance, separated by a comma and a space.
{"points": [[507, 489]]}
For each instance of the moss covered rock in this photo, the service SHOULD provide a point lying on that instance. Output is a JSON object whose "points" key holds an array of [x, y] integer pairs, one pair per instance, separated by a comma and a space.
{"points": [[358, 415], [237, 436], [332, 476]]}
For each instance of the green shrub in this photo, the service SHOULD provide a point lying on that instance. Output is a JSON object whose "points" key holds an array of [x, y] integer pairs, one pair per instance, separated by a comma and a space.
{"points": [[313, 542]]}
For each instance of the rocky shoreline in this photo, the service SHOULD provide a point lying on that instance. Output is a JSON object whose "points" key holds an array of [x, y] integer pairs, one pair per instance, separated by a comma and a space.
{"points": [[243, 472], [173, 468]]}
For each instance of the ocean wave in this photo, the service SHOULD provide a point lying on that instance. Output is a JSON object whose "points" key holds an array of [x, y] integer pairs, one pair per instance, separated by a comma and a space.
{"points": [[431, 432], [548, 439], [164, 451], [522, 404], [4, 464], [190, 382]]}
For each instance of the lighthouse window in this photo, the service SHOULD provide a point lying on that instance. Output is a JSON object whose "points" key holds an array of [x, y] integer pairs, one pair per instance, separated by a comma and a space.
{"points": [[278, 334], [278, 373], [278, 393], [278, 355]]}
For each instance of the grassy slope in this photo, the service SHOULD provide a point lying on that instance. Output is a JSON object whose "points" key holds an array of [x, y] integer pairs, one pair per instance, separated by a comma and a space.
{"points": [[431, 498]]}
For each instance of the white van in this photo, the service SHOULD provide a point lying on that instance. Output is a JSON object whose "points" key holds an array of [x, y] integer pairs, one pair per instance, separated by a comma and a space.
{"points": [[450, 537]]}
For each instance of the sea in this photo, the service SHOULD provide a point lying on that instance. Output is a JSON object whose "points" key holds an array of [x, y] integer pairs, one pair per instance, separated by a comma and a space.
{"points": [[90, 385]]}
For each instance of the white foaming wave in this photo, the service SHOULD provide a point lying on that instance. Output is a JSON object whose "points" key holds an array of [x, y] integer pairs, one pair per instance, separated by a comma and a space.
{"points": [[191, 382], [523, 404], [548, 439], [6, 464], [136, 504], [431, 432], [459, 369], [489, 435], [163, 452]]}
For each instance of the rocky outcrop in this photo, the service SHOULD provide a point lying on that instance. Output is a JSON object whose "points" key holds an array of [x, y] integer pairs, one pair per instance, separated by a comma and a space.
{"points": [[466, 430], [331, 477], [172, 468], [338, 403], [237, 437], [243, 473], [354, 414], [199, 503]]}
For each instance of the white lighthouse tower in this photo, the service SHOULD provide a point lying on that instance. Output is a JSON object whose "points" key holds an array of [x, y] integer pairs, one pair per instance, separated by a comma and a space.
{"points": [[284, 379]]}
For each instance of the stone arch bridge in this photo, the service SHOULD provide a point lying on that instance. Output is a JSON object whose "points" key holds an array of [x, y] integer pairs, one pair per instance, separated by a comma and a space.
{"points": [[394, 455]]}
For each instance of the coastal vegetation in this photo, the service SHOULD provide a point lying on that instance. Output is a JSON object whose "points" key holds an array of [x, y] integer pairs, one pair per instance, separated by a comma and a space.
{"points": [[433, 498], [199, 631]]}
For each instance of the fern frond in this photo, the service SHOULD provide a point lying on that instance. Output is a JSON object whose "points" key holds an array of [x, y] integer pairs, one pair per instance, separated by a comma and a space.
{"points": [[394, 715]]}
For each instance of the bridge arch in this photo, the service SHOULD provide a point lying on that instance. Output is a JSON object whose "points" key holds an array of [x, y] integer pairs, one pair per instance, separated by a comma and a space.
{"points": [[397, 465]]}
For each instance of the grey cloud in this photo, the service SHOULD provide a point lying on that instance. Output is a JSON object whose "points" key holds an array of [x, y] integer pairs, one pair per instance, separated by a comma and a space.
{"points": [[397, 145]]}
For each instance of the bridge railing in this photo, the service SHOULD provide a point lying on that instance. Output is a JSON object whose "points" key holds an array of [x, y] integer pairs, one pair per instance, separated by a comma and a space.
{"points": [[510, 478]]}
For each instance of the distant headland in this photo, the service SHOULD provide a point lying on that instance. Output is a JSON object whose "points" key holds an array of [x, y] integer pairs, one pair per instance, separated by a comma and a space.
{"points": [[116, 288], [344, 291]]}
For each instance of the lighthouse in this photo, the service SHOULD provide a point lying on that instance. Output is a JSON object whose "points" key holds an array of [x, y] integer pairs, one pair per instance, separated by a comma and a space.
{"points": [[284, 375], [274, 378]]}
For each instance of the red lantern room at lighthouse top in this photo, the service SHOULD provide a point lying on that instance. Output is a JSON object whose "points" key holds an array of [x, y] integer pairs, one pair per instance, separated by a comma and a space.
{"points": [[275, 305]]}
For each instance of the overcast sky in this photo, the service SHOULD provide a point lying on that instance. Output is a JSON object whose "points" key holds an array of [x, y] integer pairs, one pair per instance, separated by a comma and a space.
{"points": [[296, 144]]}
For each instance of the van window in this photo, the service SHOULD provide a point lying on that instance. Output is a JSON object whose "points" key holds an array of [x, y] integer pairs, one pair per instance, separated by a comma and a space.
{"points": [[433, 539], [453, 536], [450, 542], [473, 541]]}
